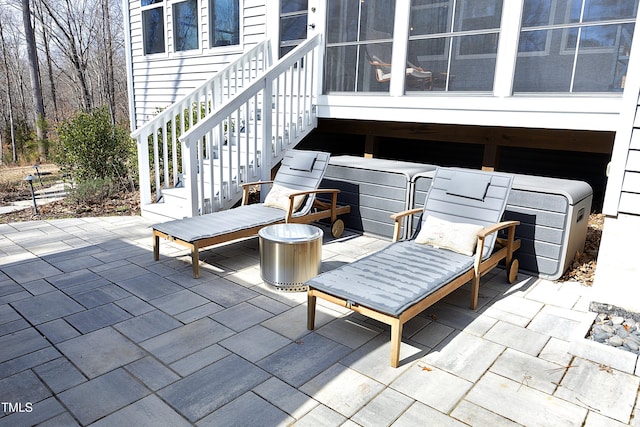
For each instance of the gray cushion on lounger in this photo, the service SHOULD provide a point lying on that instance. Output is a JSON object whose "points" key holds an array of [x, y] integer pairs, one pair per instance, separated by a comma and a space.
{"points": [[394, 278], [221, 222]]}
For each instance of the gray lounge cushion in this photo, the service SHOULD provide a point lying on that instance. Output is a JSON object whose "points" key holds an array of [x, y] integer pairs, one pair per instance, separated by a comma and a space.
{"points": [[395, 278], [221, 222]]}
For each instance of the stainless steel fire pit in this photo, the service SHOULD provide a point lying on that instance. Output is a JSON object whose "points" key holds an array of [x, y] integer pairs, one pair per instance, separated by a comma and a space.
{"points": [[290, 254]]}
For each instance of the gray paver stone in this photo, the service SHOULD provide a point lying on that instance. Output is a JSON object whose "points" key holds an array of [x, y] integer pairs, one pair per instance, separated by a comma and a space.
{"points": [[197, 395], [247, 410], [102, 395], [100, 351], [300, 361]]}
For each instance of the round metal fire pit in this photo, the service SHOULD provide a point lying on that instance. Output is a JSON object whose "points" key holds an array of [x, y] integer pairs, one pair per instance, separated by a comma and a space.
{"points": [[290, 254]]}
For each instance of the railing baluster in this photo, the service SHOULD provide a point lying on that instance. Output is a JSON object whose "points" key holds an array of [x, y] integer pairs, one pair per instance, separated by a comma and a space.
{"points": [[156, 165]]}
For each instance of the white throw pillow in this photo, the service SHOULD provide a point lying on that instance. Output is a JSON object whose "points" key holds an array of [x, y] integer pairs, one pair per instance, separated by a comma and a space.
{"points": [[278, 197], [456, 236]]}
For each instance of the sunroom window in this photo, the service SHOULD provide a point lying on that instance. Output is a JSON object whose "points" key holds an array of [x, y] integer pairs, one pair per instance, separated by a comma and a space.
{"points": [[574, 46], [224, 22], [358, 32], [153, 26], [185, 25], [455, 42]]}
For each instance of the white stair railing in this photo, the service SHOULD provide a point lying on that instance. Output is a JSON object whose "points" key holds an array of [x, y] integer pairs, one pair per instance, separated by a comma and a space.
{"points": [[160, 158], [250, 130]]}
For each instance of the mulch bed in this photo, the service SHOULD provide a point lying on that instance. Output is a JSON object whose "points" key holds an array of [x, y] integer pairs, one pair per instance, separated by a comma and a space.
{"points": [[125, 204], [583, 267]]}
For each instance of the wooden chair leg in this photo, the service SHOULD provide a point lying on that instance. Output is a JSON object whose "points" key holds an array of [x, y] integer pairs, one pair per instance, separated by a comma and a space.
{"points": [[195, 261], [475, 290], [311, 311], [396, 341], [156, 247]]}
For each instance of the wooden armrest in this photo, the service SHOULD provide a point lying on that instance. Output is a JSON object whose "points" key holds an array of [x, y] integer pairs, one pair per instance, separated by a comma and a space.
{"points": [[334, 199], [249, 184], [399, 215], [317, 191], [245, 189], [496, 227]]}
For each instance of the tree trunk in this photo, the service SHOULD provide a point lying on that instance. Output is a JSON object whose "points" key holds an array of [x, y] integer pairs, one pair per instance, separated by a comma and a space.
{"points": [[110, 81], [47, 52], [34, 72], [9, 99]]}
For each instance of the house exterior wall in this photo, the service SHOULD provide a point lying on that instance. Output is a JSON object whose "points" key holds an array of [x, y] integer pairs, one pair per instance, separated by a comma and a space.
{"points": [[158, 80]]}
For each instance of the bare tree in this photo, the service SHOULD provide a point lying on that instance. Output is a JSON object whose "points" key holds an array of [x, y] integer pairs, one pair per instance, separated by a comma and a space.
{"points": [[34, 73], [8, 80], [79, 60], [109, 85], [73, 34], [44, 34]]}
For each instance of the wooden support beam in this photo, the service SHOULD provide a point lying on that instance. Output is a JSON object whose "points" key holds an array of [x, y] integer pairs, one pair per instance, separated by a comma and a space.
{"points": [[548, 139], [490, 157], [371, 143]]}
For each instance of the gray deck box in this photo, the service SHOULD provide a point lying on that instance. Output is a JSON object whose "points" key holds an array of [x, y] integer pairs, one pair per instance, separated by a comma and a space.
{"points": [[553, 215], [374, 188]]}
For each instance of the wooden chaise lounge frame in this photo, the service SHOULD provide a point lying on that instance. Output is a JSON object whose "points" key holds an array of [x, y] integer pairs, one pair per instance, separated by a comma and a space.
{"points": [[484, 259], [312, 210]]}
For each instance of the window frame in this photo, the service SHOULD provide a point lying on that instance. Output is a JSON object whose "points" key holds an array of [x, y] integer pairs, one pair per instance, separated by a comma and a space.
{"points": [[198, 31], [211, 23], [157, 4]]}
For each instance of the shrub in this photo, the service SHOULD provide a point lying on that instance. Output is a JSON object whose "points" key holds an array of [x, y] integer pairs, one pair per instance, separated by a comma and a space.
{"points": [[92, 191], [90, 147]]}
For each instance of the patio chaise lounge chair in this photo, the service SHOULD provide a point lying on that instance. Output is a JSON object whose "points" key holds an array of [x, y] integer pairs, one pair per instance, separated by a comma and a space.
{"points": [[414, 74], [291, 198], [453, 244]]}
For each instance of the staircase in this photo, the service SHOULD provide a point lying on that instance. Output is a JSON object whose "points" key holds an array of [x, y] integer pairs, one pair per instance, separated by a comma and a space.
{"points": [[194, 156]]}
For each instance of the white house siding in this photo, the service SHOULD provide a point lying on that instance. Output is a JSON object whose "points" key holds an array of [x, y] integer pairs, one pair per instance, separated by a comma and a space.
{"points": [[159, 80], [630, 195]]}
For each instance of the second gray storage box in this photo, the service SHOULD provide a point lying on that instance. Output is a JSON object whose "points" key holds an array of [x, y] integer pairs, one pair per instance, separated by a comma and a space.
{"points": [[553, 215]]}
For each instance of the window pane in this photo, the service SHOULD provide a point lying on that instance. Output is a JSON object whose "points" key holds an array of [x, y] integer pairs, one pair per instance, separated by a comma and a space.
{"points": [[288, 6], [340, 69], [342, 21], [533, 41], [148, 2], [185, 25], [293, 28], [429, 17], [546, 72], [430, 56], [153, 27], [374, 69], [225, 22], [478, 15], [473, 68], [601, 65], [481, 44], [536, 12], [376, 19], [600, 10]]}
